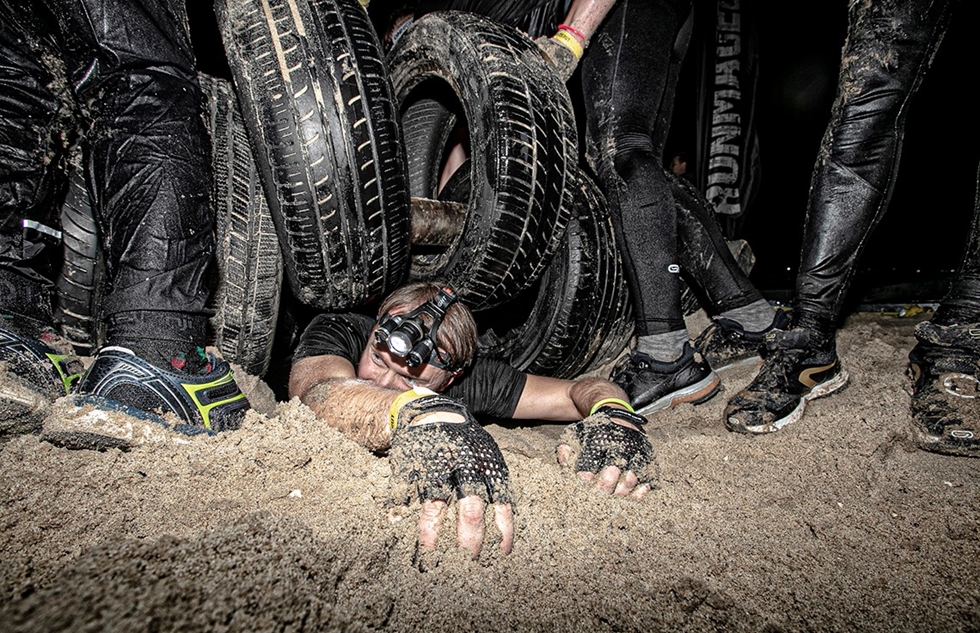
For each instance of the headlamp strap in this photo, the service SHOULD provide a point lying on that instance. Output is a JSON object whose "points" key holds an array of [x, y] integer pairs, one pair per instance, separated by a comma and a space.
{"points": [[436, 308]]}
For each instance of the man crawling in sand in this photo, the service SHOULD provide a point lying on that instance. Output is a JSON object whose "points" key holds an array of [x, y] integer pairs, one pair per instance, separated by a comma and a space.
{"points": [[410, 383]]}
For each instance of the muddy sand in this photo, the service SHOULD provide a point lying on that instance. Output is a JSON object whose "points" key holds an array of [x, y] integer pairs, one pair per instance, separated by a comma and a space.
{"points": [[835, 523]]}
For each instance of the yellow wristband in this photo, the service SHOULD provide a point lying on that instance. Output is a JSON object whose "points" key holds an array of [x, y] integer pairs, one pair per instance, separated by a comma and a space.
{"points": [[404, 398], [570, 43], [597, 405]]}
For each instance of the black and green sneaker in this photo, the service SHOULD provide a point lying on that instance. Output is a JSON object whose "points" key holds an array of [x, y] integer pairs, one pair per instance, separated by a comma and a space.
{"points": [[210, 402], [36, 374], [797, 366], [944, 366]]}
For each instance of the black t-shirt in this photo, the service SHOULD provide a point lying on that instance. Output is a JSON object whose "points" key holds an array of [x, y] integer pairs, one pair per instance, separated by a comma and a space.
{"points": [[487, 387]]}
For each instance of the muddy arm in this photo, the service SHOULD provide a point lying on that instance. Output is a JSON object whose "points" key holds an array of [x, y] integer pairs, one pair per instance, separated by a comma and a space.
{"points": [[357, 408]]}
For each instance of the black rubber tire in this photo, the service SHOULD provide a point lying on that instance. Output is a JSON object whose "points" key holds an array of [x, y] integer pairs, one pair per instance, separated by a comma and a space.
{"points": [[579, 315], [79, 287], [318, 104], [249, 264], [522, 134], [427, 125]]}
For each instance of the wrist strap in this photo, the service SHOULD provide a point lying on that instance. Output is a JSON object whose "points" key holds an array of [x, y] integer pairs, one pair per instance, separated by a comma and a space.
{"points": [[632, 418], [571, 29], [605, 401], [568, 41], [404, 398]]}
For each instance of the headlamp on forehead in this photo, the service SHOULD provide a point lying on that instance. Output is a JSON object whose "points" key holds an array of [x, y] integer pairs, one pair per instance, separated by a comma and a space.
{"points": [[407, 336]]}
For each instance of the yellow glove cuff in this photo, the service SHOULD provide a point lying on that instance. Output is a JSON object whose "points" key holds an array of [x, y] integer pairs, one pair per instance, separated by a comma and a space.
{"points": [[605, 401], [569, 42], [404, 398]]}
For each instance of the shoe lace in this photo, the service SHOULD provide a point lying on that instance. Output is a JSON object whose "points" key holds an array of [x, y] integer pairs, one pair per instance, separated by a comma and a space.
{"points": [[776, 367], [707, 334], [625, 370], [935, 360], [780, 358]]}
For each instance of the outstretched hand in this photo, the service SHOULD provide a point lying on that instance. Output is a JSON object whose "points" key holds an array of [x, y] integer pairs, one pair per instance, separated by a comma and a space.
{"points": [[439, 452], [610, 447]]}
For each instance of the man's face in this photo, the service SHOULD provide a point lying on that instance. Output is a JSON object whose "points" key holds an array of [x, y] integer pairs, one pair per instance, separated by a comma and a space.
{"points": [[678, 166], [387, 370]]}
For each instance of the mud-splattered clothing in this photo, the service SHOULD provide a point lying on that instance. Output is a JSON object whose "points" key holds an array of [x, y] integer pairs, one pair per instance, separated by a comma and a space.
{"points": [[126, 70], [890, 46]]}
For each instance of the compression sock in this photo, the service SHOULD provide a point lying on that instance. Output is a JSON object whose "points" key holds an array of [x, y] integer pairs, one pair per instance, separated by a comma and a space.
{"points": [[754, 317], [193, 361], [170, 355], [666, 347]]}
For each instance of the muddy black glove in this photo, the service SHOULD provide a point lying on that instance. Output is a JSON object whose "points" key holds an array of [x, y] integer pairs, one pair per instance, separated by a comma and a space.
{"points": [[603, 442], [441, 459]]}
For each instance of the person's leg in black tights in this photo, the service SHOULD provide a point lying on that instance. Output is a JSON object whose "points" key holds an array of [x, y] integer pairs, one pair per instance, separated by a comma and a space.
{"points": [[148, 163], [890, 45], [130, 68], [741, 317], [629, 75], [33, 127], [945, 363], [36, 364], [704, 255], [889, 48]]}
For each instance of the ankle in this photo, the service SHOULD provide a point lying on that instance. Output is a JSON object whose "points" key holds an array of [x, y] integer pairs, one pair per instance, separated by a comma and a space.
{"points": [[185, 358], [754, 317], [664, 348]]}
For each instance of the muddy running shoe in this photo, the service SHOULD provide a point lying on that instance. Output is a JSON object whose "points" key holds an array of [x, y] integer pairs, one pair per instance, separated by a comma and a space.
{"points": [[120, 380], [34, 374], [944, 367], [795, 370], [725, 345], [653, 385]]}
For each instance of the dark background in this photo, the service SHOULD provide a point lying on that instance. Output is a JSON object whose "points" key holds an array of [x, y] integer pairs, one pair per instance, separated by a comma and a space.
{"points": [[913, 252], [918, 244]]}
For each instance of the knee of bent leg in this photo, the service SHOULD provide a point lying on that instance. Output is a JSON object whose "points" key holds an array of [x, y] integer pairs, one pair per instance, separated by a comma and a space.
{"points": [[628, 151]]}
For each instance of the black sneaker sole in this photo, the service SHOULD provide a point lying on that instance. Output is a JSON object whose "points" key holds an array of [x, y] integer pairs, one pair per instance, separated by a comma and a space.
{"points": [[823, 389], [21, 409], [700, 392], [93, 423], [960, 443]]}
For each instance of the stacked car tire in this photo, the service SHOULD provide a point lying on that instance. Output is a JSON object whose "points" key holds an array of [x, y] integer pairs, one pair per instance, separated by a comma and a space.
{"points": [[322, 149]]}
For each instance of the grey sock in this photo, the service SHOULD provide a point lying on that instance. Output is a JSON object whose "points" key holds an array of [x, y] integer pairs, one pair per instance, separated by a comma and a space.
{"points": [[666, 347], [754, 317]]}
